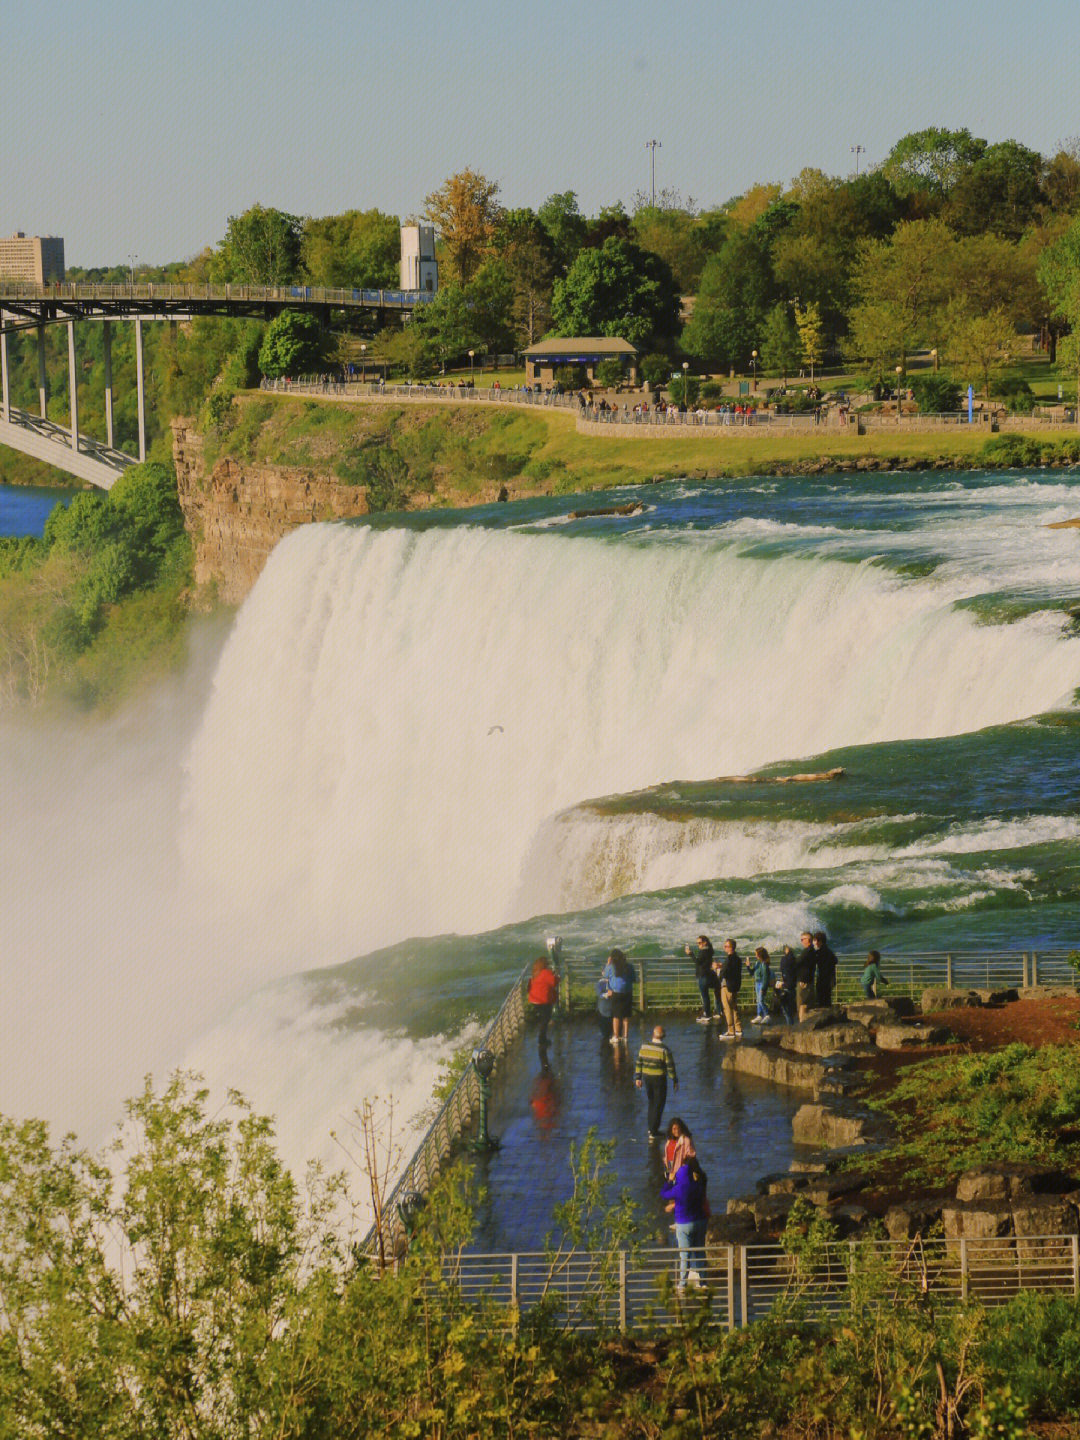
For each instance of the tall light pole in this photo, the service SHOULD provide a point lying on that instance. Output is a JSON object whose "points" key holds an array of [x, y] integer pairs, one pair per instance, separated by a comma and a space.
{"points": [[131, 267], [857, 150], [653, 145]]}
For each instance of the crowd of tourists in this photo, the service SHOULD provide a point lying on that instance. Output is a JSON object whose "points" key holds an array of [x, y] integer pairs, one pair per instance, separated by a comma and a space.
{"points": [[803, 980]]}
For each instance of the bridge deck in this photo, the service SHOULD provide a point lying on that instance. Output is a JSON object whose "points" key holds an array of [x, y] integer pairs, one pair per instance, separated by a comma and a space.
{"points": [[44, 440]]}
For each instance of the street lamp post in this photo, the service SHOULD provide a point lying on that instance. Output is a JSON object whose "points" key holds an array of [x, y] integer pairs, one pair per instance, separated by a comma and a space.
{"points": [[899, 373], [934, 357], [131, 267], [484, 1063], [653, 145], [685, 368], [753, 362], [363, 364], [471, 354]]}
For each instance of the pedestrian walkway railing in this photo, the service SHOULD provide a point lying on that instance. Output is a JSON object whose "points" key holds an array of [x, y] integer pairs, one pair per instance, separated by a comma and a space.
{"points": [[739, 1284], [668, 982], [644, 419], [454, 1117]]}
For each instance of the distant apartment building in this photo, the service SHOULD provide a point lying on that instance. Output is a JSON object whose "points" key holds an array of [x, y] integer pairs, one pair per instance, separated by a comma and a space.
{"points": [[419, 268], [36, 258]]}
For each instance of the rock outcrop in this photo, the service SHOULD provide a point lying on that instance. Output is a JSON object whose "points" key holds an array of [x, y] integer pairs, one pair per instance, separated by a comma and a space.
{"points": [[237, 513]]}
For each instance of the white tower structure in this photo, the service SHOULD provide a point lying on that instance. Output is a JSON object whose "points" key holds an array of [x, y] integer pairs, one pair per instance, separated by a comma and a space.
{"points": [[419, 268]]}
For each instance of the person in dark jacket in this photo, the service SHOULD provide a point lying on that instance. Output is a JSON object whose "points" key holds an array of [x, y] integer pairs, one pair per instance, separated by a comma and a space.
{"points": [[686, 1196], [655, 1067], [708, 981], [785, 986], [826, 969], [805, 969], [731, 968]]}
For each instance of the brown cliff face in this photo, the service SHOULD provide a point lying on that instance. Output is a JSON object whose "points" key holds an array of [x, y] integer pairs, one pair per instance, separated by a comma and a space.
{"points": [[238, 513]]}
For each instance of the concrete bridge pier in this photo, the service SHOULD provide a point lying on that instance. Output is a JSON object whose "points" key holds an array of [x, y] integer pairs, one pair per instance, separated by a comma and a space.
{"points": [[106, 336], [5, 373], [42, 381], [73, 387], [140, 388]]}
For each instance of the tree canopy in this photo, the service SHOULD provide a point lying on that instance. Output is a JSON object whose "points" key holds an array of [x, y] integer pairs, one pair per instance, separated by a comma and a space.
{"points": [[466, 212], [261, 247], [616, 290]]}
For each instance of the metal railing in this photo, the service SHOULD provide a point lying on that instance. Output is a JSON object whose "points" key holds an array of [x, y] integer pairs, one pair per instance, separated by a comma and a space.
{"points": [[666, 982], [741, 1284], [643, 419], [452, 1120], [339, 298]]}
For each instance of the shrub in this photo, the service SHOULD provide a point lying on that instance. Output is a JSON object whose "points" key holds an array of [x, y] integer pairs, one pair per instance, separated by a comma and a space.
{"points": [[1016, 393], [655, 370], [610, 373], [936, 394]]}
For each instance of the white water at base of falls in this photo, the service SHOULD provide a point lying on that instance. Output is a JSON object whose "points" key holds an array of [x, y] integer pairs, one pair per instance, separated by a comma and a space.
{"points": [[397, 714]]}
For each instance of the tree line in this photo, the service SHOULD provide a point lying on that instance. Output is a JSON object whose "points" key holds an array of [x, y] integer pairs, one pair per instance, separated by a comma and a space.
{"points": [[952, 244]]}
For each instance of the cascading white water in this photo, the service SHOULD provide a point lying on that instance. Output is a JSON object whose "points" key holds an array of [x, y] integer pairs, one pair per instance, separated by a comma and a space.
{"points": [[398, 713]]}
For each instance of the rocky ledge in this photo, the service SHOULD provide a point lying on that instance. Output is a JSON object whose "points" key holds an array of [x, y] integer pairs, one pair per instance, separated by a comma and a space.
{"points": [[819, 1055]]}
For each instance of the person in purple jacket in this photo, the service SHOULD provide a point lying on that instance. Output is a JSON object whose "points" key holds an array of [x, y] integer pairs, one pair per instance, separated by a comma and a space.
{"points": [[686, 1197]]}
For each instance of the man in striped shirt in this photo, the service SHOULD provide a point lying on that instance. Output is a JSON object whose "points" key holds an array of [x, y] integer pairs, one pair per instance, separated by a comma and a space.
{"points": [[655, 1064]]}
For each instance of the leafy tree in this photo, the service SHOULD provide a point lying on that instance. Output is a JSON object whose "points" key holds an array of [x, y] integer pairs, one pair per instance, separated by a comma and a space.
{"points": [[360, 249], [1062, 178], [261, 247], [780, 345], [988, 272], [1059, 276], [565, 227], [447, 326], [490, 298], [527, 252], [466, 211], [292, 345], [1002, 192], [901, 284], [736, 292], [811, 335], [670, 230], [933, 160], [743, 210], [981, 345], [616, 290]]}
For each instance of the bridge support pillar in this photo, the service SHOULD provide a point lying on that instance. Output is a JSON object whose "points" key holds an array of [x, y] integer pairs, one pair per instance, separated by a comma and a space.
{"points": [[5, 372], [141, 388], [42, 379], [106, 338], [73, 386]]}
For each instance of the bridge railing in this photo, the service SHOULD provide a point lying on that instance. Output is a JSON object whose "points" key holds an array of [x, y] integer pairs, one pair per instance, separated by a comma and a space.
{"points": [[638, 1289], [339, 298], [667, 982]]}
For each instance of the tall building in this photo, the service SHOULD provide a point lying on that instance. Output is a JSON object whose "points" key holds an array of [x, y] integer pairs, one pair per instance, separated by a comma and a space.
{"points": [[419, 268], [36, 258]]}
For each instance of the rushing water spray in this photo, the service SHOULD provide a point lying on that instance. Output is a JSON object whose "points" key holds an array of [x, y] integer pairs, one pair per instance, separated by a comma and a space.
{"points": [[398, 714]]}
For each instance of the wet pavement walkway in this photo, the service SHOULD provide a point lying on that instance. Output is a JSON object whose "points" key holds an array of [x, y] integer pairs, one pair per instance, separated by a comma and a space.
{"points": [[741, 1125]]}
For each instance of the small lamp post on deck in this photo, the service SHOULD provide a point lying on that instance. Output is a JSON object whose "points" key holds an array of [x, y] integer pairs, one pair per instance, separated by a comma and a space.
{"points": [[484, 1063]]}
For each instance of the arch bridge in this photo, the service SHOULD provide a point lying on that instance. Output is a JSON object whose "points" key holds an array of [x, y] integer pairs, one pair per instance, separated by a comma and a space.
{"points": [[34, 307]]}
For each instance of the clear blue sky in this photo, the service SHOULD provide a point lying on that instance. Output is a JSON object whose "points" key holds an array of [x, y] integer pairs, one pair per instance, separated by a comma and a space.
{"points": [[140, 127]]}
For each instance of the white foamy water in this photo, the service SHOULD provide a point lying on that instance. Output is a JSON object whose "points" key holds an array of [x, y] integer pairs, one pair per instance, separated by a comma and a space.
{"points": [[394, 725], [398, 714]]}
